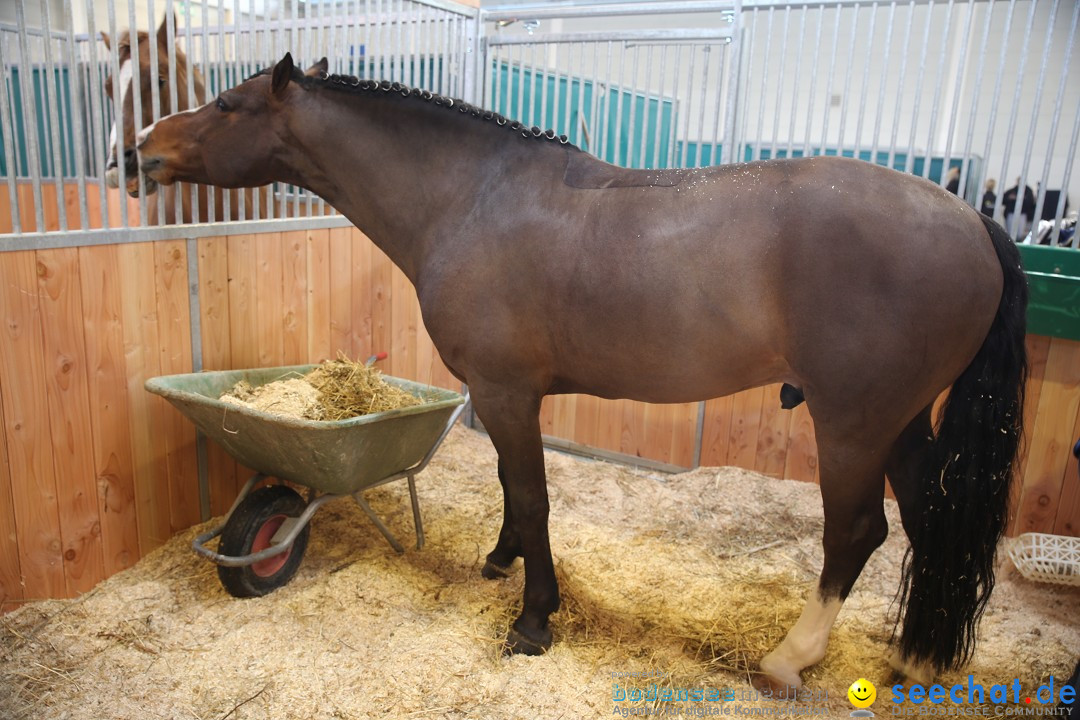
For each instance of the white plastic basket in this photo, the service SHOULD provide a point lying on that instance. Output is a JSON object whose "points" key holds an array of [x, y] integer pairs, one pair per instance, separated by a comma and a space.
{"points": [[1046, 558]]}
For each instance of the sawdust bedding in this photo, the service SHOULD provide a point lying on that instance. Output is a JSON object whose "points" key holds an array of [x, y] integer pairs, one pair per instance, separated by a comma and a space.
{"points": [[686, 578]]}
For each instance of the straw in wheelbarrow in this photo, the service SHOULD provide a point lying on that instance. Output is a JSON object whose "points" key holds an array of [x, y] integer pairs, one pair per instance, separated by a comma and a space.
{"points": [[335, 390]]}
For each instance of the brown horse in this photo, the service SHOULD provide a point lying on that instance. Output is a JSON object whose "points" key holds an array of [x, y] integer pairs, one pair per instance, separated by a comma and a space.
{"points": [[541, 270], [185, 75]]}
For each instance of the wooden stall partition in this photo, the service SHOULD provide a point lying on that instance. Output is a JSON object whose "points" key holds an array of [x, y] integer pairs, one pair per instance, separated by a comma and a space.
{"points": [[1048, 499]]}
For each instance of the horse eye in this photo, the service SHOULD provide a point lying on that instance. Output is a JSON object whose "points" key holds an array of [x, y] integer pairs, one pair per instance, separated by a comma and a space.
{"points": [[161, 82], [221, 105]]}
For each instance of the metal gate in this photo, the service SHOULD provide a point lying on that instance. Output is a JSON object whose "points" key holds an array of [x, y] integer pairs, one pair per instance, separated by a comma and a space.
{"points": [[56, 115], [964, 90], [976, 89]]}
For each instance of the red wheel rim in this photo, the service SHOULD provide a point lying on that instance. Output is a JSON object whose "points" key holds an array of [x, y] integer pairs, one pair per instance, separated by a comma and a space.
{"points": [[269, 566]]}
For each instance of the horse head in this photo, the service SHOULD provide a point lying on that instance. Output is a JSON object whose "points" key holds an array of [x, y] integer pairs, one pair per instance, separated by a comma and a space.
{"points": [[243, 130], [125, 113]]}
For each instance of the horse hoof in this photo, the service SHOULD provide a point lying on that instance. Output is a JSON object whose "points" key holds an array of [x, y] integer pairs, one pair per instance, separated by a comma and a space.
{"points": [[916, 672], [491, 571], [771, 686], [518, 644]]}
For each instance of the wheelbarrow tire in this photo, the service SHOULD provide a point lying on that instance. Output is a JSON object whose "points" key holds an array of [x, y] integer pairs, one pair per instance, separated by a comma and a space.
{"points": [[249, 530]]}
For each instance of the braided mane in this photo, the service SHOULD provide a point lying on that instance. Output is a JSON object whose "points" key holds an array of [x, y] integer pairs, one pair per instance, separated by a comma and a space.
{"points": [[353, 84]]}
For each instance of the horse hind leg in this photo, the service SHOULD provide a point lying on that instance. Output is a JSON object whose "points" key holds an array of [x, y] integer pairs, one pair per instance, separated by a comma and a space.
{"points": [[905, 469], [852, 491]]}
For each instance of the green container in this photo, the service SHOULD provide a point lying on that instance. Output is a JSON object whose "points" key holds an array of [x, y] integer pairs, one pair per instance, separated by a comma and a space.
{"points": [[343, 456], [1054, 290]]}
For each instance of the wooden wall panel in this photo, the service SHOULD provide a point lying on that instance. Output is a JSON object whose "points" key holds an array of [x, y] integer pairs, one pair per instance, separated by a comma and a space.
{"points": [[67, 394], [27, 431], [106, 384], [174, 353], [214, 321], [146, 412], [10, 568], [1051, 438]]}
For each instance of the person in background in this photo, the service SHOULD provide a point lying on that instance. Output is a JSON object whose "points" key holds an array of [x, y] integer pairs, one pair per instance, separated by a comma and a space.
{"points": [[1027, 209], [988, 198], [953, 184]]}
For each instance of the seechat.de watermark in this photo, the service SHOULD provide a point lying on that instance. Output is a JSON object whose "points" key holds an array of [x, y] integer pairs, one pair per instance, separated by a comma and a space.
{"points": [[971, 698]]}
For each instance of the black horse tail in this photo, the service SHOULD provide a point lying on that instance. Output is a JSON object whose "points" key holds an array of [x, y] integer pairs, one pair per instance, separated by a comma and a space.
{"points": [[948, 574]]}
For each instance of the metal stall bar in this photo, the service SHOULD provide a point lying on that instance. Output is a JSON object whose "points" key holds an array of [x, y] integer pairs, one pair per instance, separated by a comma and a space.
{"points": [[1070, 157], [643, 152], [847, 77], [909, 161], [1055, 117], [1013, 231], [26, 77], [864, 90], [795, 81], [881, 91], [732, 93], [954, 115], [97, 111], [75, 112], [136, 100], [211, 195], [53, 117], [7, 132], [155, 110], [222, 84], [975, 98], [780, 85], [807, 142], [937, 91], [761, 98], [1035, 107], [837, 12], [904, 48]]}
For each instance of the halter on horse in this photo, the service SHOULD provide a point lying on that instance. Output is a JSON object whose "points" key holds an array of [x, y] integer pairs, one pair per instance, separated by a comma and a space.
{"points": [[542, 270]]}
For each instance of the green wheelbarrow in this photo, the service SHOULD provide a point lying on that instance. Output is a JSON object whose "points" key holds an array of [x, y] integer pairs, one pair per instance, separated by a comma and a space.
{"points": [[265, 533]]}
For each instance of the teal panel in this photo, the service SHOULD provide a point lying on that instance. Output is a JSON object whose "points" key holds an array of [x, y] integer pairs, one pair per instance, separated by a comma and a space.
{"points": [[1054, 290], [47, 153], [521, 92]]}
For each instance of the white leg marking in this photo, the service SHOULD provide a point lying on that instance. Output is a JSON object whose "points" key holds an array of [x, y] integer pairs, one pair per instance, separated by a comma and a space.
{"points": [[922, 673], [805, 642]]}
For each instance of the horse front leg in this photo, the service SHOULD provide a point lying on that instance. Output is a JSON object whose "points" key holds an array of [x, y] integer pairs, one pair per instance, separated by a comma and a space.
{"points": [[508, 547], [513, 422]]}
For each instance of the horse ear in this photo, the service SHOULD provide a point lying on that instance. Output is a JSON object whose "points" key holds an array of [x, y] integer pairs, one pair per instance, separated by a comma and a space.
{"points": [[318, 68], [163, 31], [105, 38], [282, 74]]}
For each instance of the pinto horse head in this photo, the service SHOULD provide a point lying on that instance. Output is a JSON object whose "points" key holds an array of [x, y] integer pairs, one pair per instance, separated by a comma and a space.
{"points": [[132, 51], [243, 130]]}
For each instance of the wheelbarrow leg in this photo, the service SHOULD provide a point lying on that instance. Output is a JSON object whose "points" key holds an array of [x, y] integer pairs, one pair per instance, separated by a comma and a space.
{"points": [[359, 497], [418, 522]]}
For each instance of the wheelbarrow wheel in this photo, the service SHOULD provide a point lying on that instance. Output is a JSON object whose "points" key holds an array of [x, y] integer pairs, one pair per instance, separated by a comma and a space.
{"points": [[250, 529]]}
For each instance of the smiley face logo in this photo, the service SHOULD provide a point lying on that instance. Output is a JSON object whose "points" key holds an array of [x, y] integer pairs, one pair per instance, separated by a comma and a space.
{"points": [[862, 693]]}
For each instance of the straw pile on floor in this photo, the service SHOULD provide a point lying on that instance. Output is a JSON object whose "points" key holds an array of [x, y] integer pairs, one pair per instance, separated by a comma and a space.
{"points": [[690, 578], [335, 390]]}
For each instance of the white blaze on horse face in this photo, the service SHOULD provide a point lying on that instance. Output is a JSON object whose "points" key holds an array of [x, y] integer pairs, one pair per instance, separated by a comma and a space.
{"points": [[145, 132], [805, 642], [112, 173]]}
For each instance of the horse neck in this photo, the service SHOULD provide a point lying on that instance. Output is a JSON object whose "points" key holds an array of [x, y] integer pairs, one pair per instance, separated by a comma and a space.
{"points": [[403, 171]]}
